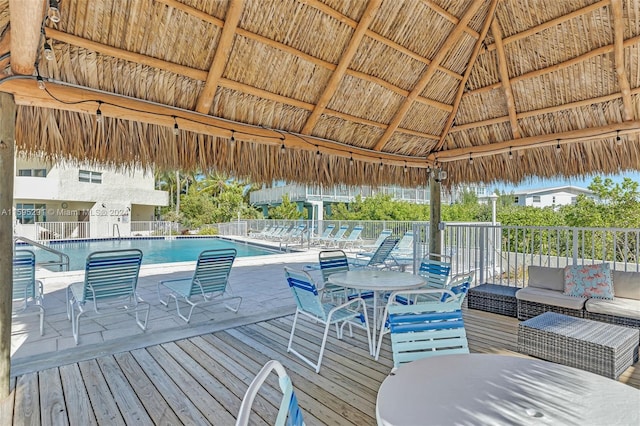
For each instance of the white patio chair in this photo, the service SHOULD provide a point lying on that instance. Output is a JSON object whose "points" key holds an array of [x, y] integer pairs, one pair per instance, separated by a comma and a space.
{"points": [[209, 282], [289, 412], [309, 303]]}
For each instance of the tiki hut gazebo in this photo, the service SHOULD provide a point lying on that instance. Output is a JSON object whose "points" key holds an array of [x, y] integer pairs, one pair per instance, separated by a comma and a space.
{"points": [[323, 91]]}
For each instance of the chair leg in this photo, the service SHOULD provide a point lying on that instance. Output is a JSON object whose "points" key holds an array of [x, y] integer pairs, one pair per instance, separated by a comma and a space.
{"points": [[193, 305], [293, 329], [41, 320], [324, 343]]}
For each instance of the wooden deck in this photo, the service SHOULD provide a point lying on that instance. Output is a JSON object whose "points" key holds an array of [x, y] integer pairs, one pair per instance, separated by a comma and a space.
{"points": [[202, 380]]}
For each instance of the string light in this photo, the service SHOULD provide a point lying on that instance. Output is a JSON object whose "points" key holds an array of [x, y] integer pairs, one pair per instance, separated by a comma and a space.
{"points": [[233, 137], [318, 154], [54, 12], [351, 160], [283, 148], [470, 159], [405, 168], [618, 138], [558, 148], [176, 129], [381, 165], [41, 84], [48, 52], [99, 113], [510, 154]]}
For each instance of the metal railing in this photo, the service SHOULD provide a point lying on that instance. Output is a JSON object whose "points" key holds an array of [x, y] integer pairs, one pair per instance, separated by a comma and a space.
{"points": [[154, 228], [63, 259], [45, 231]]}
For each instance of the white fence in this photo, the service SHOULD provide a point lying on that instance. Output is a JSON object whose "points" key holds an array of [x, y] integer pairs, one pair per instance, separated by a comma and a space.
{"points": [[45, 231]]}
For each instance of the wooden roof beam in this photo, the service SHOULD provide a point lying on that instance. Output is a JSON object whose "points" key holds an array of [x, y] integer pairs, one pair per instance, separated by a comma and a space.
{"points": [[541, 111], [221, 57], [26, 21], [467, 73], [343, 63], [5, 47], [618, 43], [504, 78], [533, 142], [451, 18], [557, 67], [202, 76], [85, 100], [552, 23], [426, 77]]}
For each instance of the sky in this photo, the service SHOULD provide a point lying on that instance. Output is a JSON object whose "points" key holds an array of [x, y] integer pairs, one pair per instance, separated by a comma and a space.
{"points": [[550, 183]]}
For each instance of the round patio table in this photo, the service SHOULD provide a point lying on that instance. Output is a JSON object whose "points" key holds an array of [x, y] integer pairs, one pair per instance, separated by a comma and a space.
{"points": [[378, 282], [498, 390]]}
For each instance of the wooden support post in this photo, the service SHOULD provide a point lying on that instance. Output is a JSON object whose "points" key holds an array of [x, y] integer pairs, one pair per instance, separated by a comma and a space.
{"points": [[7, 144], [435, 234]]}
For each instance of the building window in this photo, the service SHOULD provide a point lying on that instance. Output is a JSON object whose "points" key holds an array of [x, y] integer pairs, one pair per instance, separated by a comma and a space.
{"points": [[553, 200], [31, 213], [516, 200], [536, 198], [33, 172], [89, 176]]}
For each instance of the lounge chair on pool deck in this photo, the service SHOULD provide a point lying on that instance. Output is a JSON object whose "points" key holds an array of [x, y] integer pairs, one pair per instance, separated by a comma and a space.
{"points": [[325, 234], [208, 282], [110, 279], [373, 247], [26, 289], [351, 240], [331, 240]]}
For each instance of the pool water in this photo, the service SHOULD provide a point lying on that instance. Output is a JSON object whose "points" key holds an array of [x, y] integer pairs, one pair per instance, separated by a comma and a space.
{"points": [[156, 250]]}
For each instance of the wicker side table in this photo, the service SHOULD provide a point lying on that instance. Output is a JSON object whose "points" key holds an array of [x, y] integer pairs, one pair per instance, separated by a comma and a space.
{"points": [[499, 299], [601, 348]]}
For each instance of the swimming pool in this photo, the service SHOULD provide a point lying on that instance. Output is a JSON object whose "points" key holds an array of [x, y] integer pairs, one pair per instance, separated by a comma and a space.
{"points": [[155, 250]]}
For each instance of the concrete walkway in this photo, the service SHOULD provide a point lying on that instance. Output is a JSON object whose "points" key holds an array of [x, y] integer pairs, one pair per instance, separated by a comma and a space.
{"points": [[259, 280]]}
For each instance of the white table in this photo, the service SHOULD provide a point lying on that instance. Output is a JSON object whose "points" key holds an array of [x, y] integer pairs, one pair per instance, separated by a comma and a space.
{"points": [[496, 389], [378, 282]]}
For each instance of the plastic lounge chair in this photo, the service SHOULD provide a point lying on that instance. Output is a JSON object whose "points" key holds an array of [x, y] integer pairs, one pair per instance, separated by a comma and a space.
{"points": [[351, 240], [289, 412], [110, 280], [372, 247], [380, 259], [27, 291], [325, 234], [209, 282], [294, 235], [309, 303], [430, 324], [331, 240]]}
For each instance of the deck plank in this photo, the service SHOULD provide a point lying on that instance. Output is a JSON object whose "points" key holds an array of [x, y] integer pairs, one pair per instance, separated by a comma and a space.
{"points": [[27, 400], [7, 404], [53, 410], [75, 395], [104, 406]]}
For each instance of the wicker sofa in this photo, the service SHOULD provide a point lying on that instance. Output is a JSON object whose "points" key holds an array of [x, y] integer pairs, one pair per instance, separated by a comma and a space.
{"points": [[545, 293]]}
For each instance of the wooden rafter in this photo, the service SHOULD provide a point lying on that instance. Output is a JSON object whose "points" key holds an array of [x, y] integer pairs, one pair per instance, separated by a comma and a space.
{"points": [[426, 77], [343, 63], [540, 141], [202, 75], [5, 47], [467, 73], [320, 62], [85, 100], [542, 111], [26, 20], [451, 18], [221, 57], [618, 42], [504, 78], [552, 23]]}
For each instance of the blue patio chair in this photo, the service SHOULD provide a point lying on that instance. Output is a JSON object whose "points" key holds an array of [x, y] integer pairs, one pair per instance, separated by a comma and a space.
{"points": [[332, 261], [351, 239], [27, 291], [325, 234], [209, 282], [331, 240], [429, 324], [437, 273], [373, 247], [309, 303], [289, 412], [110, 280], [380, 259]]}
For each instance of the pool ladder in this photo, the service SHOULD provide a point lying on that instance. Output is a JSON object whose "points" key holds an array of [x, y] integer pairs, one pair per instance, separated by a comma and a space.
{"points": [[116, 228]]}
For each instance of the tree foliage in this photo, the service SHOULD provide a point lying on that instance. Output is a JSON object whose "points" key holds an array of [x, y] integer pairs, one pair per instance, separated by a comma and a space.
{"points": [[379, 207], [286, 210]]}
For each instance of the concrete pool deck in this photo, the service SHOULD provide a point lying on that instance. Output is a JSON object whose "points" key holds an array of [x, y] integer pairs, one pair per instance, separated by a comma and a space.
{"points": [[259, 280]]}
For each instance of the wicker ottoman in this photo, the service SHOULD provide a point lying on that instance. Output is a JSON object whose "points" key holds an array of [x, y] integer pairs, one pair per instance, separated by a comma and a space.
{"points": [[499, 299], [601, 348]]}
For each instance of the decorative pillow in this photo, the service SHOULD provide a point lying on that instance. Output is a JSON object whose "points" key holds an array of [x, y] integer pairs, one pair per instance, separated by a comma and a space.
{"points": [[588, 281]]}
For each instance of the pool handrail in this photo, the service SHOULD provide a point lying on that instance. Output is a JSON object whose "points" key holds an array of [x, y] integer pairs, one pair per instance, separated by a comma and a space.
{"points": [[63, 261]]}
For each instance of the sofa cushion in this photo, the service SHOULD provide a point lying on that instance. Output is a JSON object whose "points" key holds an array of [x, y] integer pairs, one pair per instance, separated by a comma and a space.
{"points": [[588, 281], [626, 284], [620, 307], [546, 277], [550, 297]]}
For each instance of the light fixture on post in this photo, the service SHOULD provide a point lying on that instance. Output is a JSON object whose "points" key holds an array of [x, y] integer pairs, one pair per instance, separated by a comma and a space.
{"points": [[618, 138], [99, 113], [48, 52], [53, 13], [176, 129]]}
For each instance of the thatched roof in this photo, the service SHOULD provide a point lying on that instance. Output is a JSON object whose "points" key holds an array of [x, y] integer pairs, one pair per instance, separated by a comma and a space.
{"points": [[484, 89]]}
